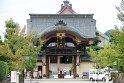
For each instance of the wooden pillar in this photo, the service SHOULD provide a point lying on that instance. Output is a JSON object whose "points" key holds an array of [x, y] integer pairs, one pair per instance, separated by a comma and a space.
{"points": [[44, 69], [58, 62], [74, 66], [77, 64], [44, 65], [47, 66]]}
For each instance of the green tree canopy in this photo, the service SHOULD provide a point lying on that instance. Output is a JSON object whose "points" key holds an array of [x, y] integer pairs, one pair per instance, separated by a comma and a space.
{"points": [[17, 45], [114, 52]]}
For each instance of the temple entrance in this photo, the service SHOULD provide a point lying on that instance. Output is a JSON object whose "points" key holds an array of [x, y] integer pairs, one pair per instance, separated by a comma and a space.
{"points": [[61, 56], [61, 65], [61, 51]]}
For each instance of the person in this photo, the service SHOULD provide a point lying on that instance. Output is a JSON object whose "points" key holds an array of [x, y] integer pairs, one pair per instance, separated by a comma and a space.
{"points": [[39, 74], [64, 72], [70, 72]]}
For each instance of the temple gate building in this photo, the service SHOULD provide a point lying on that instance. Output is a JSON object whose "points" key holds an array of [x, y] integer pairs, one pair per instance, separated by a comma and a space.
{"points": [[65, 35]]}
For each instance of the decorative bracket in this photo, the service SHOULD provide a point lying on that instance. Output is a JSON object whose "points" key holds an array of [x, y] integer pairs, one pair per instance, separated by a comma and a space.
{"points": [[60, 22]]}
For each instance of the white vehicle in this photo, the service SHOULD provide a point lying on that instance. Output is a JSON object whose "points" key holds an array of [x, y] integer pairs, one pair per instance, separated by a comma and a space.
{"points": [[97, 74]]}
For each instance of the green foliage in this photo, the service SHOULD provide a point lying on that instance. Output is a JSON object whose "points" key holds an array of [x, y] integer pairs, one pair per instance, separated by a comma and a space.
{"points": [[95, 46], [121, 16], [108, 56], [32, 53], [17, 45], [4, 70], [114, 52], [109, 34], [10, 24], [72, 68], [118, 41], [104, 57], [97, 33], [30, 63]]}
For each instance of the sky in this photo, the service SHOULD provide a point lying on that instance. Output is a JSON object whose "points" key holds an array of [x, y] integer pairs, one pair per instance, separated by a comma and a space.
{"points": [[104, 11]]}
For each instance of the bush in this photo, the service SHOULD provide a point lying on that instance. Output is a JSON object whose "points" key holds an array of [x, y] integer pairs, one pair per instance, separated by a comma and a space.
{"points": [[85, 77], [4, 70]]}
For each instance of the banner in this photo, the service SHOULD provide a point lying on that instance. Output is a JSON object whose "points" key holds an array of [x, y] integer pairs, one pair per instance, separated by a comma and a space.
{"points": [[13, 76]]}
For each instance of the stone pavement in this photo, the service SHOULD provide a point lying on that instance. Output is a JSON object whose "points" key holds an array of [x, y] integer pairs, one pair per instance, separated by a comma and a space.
{"points": [[61, 81]]}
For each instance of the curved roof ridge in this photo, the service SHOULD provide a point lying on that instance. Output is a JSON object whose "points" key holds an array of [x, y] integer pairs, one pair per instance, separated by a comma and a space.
{"points": [[63, 28]]}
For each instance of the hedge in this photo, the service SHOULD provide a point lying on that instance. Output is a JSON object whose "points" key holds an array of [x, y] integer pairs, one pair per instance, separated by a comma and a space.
{"points": [[4, 70]]}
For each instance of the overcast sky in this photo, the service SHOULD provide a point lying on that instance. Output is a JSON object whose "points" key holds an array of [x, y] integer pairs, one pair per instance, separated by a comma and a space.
{"points": [[104, 11]]}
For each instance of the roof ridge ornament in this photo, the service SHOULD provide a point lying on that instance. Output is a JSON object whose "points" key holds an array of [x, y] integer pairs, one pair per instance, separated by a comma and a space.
{"points": [[66, 6], [60, 22]]}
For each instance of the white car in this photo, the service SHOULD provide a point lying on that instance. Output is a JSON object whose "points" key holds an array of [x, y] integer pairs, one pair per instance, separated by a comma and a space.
{"points": [[98, 74]]}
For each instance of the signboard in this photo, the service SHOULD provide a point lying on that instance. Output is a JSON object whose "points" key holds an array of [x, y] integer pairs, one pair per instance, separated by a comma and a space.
{"points": [[13, 76], [85, 74]]}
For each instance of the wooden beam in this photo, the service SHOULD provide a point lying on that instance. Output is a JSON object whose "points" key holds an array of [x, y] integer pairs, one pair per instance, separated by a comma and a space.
{"points": [[60, 54]]}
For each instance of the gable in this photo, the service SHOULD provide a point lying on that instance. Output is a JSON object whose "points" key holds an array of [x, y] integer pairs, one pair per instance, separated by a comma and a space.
{"points": [[66, 11], [66, 8]]}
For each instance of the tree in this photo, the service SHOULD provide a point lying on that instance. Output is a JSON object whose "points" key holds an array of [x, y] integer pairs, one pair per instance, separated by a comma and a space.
{"points": [[105, 57], [115, 51], [30, 61], [118, 41], [11, 24], [118, 38], [17, 45]]}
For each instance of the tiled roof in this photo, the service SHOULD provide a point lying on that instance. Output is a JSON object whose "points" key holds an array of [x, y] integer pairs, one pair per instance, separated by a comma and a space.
{"points": [[61, 28]]}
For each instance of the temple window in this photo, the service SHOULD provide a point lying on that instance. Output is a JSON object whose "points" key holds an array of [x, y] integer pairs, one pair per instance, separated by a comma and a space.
{"points": [[52, 44], [69, 44], [53, 59], [66, 59]]}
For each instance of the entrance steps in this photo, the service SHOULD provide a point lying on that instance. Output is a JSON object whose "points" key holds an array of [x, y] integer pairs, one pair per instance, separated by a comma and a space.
{"points": [[54, 80], [66, 76]]}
